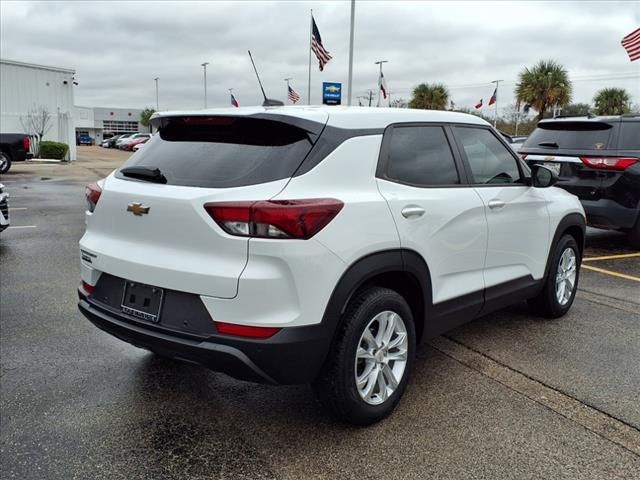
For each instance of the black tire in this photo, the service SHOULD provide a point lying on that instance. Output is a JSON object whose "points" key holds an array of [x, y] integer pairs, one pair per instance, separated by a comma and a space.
{"points": [[633, 236], [336, 385], [546, 303], [5, 162]]}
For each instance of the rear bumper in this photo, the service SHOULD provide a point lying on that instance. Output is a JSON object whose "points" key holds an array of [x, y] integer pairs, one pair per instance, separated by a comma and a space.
{"points": [[292, 356], [609, 214]]}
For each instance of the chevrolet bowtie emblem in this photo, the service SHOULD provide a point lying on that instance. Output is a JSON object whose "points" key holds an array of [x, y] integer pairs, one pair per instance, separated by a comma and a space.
{"points": [[137, 209]]}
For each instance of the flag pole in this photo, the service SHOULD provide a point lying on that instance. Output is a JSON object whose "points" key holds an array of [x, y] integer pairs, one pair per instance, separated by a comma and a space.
{"points": [[309, 81], [495, 120], [349, 85], [287, 80]]}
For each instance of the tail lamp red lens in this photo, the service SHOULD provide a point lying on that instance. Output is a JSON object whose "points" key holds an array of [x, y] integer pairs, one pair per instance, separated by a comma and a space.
{"points": [[284, 219], [92, 193], [26, 143], [609, 163], [246, 330], [88, 288]]}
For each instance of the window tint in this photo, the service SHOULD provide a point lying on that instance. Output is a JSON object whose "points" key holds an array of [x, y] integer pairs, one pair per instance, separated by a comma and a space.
{"points": [[217, 152], [629, 136], [586, 135], [489, 159], [421, 156]]}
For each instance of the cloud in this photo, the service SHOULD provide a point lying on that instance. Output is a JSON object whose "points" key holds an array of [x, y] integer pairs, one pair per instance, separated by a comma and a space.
{"points": [[118, 48]]}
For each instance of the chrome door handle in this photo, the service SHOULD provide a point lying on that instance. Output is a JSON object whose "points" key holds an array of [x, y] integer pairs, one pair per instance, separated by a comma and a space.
{"points": [[494, 204], [408, 212]]}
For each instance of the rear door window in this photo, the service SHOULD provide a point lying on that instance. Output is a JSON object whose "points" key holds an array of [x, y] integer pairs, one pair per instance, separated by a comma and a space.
{"points": [[489, 159], [421, 155], [588, 135], [629, 136], [219, 152]]}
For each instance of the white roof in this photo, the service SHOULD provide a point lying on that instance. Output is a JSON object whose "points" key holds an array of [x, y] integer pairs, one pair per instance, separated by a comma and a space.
{"points": [[36, 66], [342, 117]]}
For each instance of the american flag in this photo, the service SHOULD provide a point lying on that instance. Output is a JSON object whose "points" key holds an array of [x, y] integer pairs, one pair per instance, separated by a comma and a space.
{"points": [[293, 96], [317, 47], [631, 44]]}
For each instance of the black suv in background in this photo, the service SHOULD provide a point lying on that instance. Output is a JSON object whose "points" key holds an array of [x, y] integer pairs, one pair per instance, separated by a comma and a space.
{"points": [[598, 160]]}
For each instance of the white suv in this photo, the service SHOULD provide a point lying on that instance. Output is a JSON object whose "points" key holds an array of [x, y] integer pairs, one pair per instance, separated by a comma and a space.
{"points": [[310, 244]]}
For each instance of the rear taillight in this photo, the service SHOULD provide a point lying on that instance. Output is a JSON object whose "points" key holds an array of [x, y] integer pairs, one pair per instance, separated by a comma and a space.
{"points": [[92, 193], [609, 163], [88, 288], [26, 143], [294, 219], [245, 330]]}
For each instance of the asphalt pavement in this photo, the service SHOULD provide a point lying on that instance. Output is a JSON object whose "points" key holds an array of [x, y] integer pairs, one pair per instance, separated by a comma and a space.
{"points": [[506, 396]]}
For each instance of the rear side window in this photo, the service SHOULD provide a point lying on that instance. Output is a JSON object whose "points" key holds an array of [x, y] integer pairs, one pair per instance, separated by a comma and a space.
{"points": [[219, 152], [420, 155], [629, 136], [571, 135], [489, 159]]}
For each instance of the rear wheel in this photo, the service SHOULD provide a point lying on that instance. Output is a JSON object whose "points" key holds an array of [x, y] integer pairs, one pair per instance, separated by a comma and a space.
{"points": [[633, 237], [5, 162], [369, 363], [561, 283]]}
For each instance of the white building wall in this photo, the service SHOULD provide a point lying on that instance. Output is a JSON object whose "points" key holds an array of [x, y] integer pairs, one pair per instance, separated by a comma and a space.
{"points": [[24, 87]]}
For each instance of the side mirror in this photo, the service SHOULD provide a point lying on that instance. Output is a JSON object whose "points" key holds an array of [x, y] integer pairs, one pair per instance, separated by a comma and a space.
{"points": [[542, 176]]}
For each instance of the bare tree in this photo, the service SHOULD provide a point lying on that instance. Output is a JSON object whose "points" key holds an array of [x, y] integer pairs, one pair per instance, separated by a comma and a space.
{"points": [[36, 124]]}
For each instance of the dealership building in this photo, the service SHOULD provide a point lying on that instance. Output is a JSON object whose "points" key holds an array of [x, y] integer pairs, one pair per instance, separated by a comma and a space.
{"points": [[25, 87], [100, 123]]}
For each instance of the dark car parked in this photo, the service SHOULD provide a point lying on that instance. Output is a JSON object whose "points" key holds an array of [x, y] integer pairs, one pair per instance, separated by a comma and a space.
{"points": [[598, 160], [14, 147], [84, 139]]}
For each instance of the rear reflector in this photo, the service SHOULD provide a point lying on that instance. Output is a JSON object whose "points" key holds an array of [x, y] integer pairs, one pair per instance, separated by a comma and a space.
{"points": [[609, 163], [292, 219], [92, 193], [245, 330], [88, 288]]}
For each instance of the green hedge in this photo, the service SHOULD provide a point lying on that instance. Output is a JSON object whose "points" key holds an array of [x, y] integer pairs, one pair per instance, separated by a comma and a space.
{"points": [[55, 150]]}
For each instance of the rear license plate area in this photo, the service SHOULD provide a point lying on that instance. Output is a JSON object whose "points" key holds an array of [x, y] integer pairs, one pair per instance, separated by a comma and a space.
{"points": [[553, 166], [142, 301]]}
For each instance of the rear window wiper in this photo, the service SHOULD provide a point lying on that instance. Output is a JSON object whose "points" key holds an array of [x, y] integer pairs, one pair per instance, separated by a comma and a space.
{"points": [[548, 144], [144, 173]]}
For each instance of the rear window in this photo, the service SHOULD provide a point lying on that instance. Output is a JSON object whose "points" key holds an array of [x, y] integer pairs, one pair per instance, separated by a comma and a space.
{"points": [[219, 152], [570, 135], [629, 136]]}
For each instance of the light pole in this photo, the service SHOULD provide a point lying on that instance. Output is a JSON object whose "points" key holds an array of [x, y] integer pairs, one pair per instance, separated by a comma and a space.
{"points": [[350, 81], [204, 66], [380, 62], [157, 103]]}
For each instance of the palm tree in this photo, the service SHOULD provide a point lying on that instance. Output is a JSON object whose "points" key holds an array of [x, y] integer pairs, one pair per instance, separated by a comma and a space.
{"points": [[145, 116], [545, 85], [612, 101], [430, 97]]}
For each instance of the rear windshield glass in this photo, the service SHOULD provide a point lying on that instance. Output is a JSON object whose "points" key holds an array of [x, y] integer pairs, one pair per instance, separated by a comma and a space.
{"points": [[629, 136], [570, 135], [218, 152]]}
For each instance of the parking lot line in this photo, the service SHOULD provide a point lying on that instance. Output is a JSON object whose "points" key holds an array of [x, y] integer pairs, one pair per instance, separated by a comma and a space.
{"points": [[613, 274], [13, 209], [611, 257], [21, 226]]}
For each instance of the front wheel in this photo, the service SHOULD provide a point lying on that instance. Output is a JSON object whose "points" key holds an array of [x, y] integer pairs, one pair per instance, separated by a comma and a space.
{"points": [[561, 283], [5, 162], [370, 360]]}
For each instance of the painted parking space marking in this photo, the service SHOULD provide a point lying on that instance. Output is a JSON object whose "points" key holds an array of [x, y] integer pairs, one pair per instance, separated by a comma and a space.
{"points": [[13, 209], [13, 227], [613, 274], [611, 257]]}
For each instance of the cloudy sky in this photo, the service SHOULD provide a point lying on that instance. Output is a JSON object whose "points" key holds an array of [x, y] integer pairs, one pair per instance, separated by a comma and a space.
{"points": [[117, 48]]}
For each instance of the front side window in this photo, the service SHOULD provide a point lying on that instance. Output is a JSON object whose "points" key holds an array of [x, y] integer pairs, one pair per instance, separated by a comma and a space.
{"points": [[489, 159], [420, 155]]}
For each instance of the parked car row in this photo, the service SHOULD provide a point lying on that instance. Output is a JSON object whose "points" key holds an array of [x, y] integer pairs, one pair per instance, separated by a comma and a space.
{"points": [[126, 141]]}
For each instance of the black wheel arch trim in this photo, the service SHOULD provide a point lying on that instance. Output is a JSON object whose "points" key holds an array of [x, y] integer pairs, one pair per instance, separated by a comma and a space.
{"points": [[572, 220], [366, 268]]}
